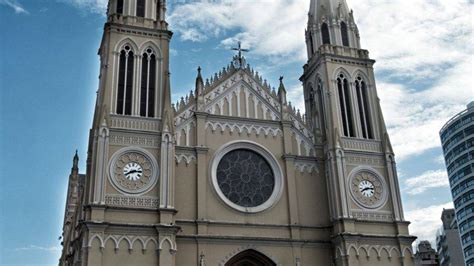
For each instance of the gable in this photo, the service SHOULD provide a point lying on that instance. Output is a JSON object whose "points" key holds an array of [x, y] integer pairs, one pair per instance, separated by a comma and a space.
{"points": [[240, 93]]}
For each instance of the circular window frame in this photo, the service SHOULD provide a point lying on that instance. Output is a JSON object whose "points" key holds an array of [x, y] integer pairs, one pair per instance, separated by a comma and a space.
{"points": [[154, 172], [267, 155], [382, 202]]}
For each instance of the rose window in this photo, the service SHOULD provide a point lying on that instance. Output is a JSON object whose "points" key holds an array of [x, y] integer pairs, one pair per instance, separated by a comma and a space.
{"points": [[245, 178]]}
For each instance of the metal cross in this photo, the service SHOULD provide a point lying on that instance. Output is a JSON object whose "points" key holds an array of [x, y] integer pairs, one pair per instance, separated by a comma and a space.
{"points": [[239, 48]]}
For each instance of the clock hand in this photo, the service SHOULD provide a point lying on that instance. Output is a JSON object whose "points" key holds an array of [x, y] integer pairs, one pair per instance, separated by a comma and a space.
{"points": [[131, 172], [367, 188]]}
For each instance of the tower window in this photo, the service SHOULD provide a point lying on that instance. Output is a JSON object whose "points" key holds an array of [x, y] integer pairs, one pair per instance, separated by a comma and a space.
{"points": [[345, 104], [125, 82], [311, 44], [364, 112], [344, 35], [141, 8], [147, 97], [119, 6], [321, 105], [325, 34]]}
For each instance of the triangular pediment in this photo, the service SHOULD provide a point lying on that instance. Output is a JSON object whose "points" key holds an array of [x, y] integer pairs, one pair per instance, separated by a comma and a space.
{"points": [[244, 95], [236, 92]]}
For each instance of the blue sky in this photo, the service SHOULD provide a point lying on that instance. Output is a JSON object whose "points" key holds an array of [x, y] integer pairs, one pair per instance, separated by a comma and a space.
{"points": [[49, 75]]}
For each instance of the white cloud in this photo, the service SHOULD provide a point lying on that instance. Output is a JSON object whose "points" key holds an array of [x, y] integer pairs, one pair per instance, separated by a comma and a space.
{"points": [[414, 118], [53, 249], [93, 6], [426, 221], [424, 52], [17, 7], [279, 31], [430, 179]]}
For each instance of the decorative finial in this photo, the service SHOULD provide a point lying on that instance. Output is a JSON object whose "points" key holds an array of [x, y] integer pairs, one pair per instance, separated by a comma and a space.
{"points": [[199, 70], [239, 56]]}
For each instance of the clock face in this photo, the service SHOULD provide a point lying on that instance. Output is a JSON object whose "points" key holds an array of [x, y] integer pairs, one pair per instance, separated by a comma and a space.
{"points": [[133, 171], [368, 189]]}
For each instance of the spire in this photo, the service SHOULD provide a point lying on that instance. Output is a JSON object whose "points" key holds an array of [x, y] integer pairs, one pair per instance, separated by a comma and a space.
{"points": [[330, 22], [282, 92], [75, 164], [168, 113], [320, 10], [199, 83]]}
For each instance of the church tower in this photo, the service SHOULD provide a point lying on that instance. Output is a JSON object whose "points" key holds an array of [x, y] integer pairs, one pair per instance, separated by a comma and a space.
{"points": [[344, 111], [128, 205]]}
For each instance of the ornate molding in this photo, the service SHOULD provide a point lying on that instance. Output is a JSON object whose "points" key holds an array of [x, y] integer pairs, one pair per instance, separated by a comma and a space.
{"points": [[117, 239], [355, 160], [362, 145], [243, 127], [372, 216], [185, 157], [134, 123], [308, 167], [132, 201], [381, 250], [125, 140]]}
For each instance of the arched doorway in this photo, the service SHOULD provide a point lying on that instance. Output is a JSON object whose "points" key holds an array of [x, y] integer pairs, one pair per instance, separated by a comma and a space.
{"points": [[250, 257]]}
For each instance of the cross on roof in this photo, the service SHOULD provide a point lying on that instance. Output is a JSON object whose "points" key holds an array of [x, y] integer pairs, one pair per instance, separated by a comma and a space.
{"points": [[240, 50]]}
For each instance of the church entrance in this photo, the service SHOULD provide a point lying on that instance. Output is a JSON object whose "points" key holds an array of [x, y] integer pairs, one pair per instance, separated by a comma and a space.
{"points": [[250, 258]]}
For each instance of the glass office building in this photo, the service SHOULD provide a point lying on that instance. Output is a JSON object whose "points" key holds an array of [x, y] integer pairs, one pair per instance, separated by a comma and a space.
{"points": [[457, 138]]}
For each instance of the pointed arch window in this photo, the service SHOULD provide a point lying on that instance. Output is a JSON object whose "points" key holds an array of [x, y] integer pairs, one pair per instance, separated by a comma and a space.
{"points": [[345, 105], [364, 111], [141, 8], [119, 6], [125, 82], [311, 44], [148, 84], [325, 33], [344, 34], [321, 111]]}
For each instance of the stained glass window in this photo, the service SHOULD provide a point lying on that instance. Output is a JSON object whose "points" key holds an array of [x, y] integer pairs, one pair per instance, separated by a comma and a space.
{"points": [[245, 178]]}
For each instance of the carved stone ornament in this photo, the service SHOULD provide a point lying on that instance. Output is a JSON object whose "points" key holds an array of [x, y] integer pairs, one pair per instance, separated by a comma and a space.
{"points": [[133, 171], [368, 189]]}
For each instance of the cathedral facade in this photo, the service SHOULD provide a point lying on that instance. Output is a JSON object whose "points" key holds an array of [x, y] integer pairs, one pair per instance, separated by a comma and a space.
{"points": [[232, 174]]}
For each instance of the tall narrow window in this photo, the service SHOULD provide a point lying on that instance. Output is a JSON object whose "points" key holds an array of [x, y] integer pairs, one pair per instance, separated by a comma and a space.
{"points": [[325, 34], [148, 87], [344, 35], [363, 101], [125, 82], [141, 8], [311, 44], [345, 104], [321, 106], [119, 6]]}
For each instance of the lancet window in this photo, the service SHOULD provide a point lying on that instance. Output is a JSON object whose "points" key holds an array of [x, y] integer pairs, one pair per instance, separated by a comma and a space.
{"points": [[311, 44], [141, 8], [319, 93], [364, 111], [148, 84], [325, 34], [125, 82], [345, 105], [119, 6], [344, 34]]}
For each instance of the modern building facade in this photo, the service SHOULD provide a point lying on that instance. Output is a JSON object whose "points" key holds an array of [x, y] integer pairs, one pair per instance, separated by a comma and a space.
{"points": [[457, 138], [232, 174], [448, 242], [426, 255]]}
